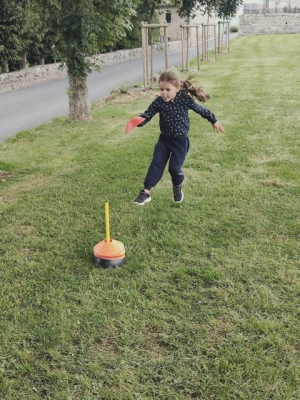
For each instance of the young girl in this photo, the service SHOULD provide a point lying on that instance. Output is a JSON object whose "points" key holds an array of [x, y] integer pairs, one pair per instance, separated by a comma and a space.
{"points": [[176, 98]]}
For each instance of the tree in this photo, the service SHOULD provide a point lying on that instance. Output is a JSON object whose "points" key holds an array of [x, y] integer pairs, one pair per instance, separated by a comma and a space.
{"points": [[188, 8], [40, 39], [23, 37], [147, 11], [83, 28], [227, 9], [224, 8], [12, 41]]}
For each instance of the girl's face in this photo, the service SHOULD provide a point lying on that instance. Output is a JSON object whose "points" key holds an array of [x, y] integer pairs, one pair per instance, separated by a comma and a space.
{"points": [[168, 91]]}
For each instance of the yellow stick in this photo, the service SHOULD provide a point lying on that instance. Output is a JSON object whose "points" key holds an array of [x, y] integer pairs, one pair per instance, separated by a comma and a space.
{"points": [[107, 222]]}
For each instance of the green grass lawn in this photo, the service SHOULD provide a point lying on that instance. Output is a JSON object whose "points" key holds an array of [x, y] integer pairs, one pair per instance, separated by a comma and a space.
{"points": [[207, 304]]}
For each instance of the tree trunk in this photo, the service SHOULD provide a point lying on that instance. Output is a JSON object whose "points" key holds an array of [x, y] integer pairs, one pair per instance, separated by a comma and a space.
{"points": [[79, 102], [23, 59], [4, 68]]}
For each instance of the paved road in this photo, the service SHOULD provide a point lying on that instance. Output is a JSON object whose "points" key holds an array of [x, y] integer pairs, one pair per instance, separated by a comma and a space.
{"points": [[34, 105]]}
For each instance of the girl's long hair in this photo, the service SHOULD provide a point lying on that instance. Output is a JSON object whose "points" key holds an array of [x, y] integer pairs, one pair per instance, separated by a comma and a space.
{"points": [[186, 85]]}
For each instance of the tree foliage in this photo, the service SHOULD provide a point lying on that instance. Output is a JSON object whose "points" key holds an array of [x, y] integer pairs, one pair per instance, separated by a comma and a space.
{"points": [[12, 37], [227, 9], [81, 29], [22, 34], [223, 8], [40, 37], [147, 11], [85, 27]]}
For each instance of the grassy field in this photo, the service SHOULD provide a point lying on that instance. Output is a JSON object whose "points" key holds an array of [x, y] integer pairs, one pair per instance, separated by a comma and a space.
{"points": [[207, 305]]}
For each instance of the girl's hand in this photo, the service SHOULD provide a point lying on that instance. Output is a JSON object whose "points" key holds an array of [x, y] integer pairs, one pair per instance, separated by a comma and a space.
{"points": [[218, 127]]}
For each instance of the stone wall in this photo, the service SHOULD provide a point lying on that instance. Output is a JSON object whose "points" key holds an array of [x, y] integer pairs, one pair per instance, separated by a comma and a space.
{"points": [[268, 24], [29, 76]]}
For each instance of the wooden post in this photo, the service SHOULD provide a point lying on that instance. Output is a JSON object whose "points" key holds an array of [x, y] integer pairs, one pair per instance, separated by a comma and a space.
{"points": [[202, 47], [198, 49], [145, 27], [215, 34], [227, 23], [145, 58], [166, 48], [203, 43], [222, 37], [185, 55], [151, 57], [205, 39], [182, 48], [147, 54], [228, 35], [187, 47], [219, 37]]}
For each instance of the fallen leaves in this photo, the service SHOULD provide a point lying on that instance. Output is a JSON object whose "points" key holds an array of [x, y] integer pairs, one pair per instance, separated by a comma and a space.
{"points": [[4, 175]]}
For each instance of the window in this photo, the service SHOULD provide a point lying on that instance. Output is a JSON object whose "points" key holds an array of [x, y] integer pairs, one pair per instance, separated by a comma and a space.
{"points": [[168, 17]]}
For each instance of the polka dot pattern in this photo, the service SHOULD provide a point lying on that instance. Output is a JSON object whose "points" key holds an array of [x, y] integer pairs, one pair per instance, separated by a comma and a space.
{"points": [[173, 115]]}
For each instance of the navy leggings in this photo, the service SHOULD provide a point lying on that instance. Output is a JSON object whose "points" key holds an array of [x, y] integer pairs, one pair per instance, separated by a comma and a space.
{"points": [[172, 149]]}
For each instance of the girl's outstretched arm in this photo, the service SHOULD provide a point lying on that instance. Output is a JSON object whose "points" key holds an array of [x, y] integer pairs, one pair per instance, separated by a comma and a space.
{"points": [[218, 127], [151, 111]]}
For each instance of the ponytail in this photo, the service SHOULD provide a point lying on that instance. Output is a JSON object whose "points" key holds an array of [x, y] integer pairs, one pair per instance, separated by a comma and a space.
{"points": [[194, 91]]}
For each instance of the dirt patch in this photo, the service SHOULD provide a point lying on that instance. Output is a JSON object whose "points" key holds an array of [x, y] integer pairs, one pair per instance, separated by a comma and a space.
{"points": [[119, 97], [4, 175], [122, 98]]}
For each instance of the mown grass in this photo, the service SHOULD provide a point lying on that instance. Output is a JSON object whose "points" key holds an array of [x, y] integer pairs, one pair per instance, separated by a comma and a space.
{"points": [[207, 305]]}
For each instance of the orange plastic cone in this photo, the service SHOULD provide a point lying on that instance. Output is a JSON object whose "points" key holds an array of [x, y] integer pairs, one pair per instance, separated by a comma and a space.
{"points": [[133, 123], [109, 252]]}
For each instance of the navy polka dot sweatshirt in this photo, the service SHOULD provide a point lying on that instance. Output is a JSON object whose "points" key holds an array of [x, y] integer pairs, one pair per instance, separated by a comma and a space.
{"points": [[173, 115]]}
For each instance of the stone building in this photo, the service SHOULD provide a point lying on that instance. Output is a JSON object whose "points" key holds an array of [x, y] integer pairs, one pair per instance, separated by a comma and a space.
{"points": [[169, 14]]}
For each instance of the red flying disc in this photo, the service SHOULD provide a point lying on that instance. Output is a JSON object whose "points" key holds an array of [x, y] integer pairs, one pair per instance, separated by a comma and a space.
{"points": [[133, 123]]}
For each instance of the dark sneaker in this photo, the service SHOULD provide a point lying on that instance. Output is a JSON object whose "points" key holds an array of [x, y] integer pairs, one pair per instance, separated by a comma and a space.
{"points": [[142, 198], [178, 194]]}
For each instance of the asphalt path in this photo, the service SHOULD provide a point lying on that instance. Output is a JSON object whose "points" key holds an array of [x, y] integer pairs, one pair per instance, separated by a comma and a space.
{"points": [[38, 104]]}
